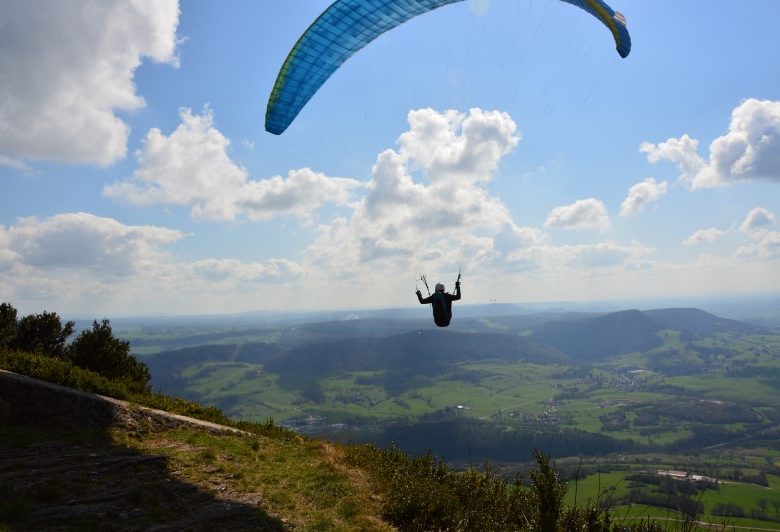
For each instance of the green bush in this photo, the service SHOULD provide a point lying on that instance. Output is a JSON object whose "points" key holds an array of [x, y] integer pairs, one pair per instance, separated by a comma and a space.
{"points": [[42, 333], [8, 326], [97, 350], [93, 349], [548, 492], [65, 373], [422, 494], [61, 372]]}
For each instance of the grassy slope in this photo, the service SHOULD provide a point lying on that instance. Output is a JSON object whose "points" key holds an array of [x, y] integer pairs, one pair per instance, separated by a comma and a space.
{"points": [[305, 483], [177, 478], [130, 476], [119, 466]]}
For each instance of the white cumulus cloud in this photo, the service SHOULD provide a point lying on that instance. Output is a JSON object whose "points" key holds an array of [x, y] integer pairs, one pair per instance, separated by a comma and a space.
{"points": [[750, 150], [191, 167], [457, 148], [85, 241], [426, 197], [704, 236], [303, 191], [67, 66], [682, 151], [641, 195], [86, 262], [582, 214], [238, 271], [603, 254], [765, 246], [757, 219]]}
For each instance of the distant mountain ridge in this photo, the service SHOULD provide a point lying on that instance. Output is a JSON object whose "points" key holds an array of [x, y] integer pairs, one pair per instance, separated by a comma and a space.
{"points": [[593, 338], [426, 351], [696, 321], [324, 348], [598, 337]]}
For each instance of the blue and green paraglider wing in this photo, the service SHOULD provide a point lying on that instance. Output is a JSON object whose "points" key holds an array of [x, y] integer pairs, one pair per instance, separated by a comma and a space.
{"points": [[349, 25]]}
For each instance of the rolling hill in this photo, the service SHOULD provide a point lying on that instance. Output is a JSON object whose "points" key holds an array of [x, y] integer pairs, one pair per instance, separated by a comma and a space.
{"points": [[424, 352], [595, 338], [166, 367], [697, 322]]}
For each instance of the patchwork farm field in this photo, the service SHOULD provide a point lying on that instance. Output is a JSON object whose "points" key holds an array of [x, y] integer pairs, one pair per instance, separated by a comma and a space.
{"points": [[703, 398], [726, 502]]}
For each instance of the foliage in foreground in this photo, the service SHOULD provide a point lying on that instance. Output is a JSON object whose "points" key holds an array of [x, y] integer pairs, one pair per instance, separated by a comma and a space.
{"points": [[94, 349], [418, 493], [61, 372], [65, 373], [421, 493]]}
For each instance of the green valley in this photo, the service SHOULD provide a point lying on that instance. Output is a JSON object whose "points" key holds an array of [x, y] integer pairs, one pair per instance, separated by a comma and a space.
{"points": [[627, 394]]}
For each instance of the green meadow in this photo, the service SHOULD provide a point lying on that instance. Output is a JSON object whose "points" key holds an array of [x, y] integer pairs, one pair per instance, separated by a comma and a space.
{"points": [[612, 487], [500, 391], [705, 404]]}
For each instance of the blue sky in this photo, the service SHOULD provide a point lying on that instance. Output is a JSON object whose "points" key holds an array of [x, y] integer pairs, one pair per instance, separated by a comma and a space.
{"points": [[506, 136]]}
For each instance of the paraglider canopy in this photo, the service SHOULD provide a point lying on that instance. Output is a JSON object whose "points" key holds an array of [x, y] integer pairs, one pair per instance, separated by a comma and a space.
{"points": [[347, 26]]}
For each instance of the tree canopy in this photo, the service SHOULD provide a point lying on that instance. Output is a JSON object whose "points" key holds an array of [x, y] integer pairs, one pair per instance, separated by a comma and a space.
{"points": [[94, 349]]}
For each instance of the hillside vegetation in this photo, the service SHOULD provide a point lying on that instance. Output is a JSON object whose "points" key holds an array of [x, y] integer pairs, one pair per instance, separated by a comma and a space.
{"points": [[91, 462], [77, 460], [492, 389], [666, 389]]}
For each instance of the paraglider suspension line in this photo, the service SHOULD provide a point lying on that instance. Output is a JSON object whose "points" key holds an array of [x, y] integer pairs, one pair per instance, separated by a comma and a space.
{"points": [[425, 282]]}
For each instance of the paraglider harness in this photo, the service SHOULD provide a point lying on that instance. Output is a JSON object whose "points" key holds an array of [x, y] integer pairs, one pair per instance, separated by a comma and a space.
{"points": [[442, 306]]}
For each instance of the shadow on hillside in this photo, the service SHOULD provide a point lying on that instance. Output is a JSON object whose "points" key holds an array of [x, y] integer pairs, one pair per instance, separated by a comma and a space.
{"points": [[60, 468]]}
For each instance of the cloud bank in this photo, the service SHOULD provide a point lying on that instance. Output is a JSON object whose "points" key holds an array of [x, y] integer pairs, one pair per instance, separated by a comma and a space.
{"points": [[84, 259], [67, 68], [427, 208], [191, 167], [85, 241], [750, 150]]}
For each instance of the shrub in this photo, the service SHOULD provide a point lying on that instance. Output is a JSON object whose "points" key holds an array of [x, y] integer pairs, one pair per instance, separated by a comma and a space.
{"points": [[65, 373], [8, 326], [97, 350], [548, 492], [42, 333], [728, 509], [422, 494], [60, 372]]}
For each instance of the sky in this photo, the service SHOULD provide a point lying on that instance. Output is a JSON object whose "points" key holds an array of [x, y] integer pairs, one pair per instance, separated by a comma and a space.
{"points": [[505, 139]]}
